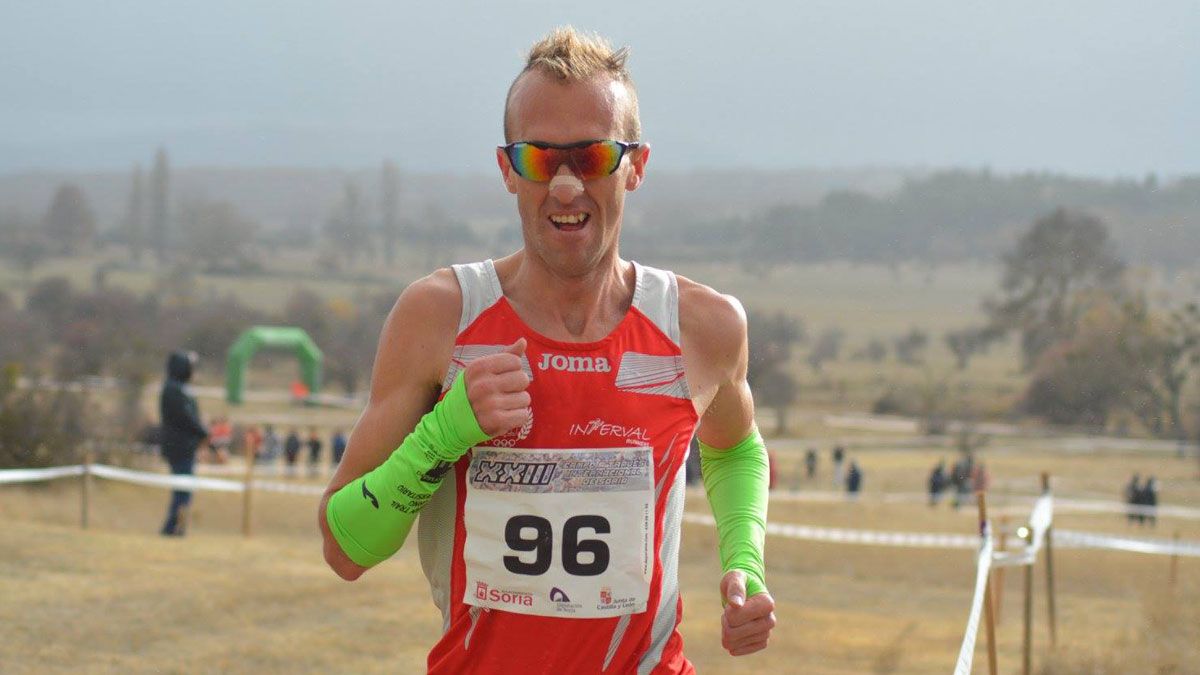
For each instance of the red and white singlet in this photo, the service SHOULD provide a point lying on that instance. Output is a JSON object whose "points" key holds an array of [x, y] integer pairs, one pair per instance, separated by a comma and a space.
{"points": [[555, 547]]}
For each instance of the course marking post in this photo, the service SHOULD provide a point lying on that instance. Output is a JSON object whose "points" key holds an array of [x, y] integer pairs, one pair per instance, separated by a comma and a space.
{"points": [[1027, 637], [85, 486], [1050, 569], [988, 604], [249, 479], [998, 588], [1173, 575]]}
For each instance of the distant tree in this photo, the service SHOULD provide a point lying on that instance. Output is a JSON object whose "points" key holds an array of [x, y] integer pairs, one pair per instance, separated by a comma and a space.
{"points": [[23, 244], [389, 225], [308, 310], [160, 217], [874, 351], [135, 215], [215, 234], [1163, 352], [910, 347], [967, 342], [1102, 369], [771, 340], [39, 427], [69, 222], [827, 347], [346, 229], [51, 300], [1051, 277]]}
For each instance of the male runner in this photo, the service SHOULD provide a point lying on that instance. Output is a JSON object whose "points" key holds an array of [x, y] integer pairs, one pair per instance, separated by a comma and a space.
{"points": [[536, 411]]}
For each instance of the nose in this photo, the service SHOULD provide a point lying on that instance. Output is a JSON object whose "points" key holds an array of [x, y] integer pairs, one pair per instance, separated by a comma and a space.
{"points": [[565, 186]]}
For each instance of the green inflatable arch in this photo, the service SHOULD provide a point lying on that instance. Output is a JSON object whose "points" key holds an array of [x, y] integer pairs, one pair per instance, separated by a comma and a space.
{"points": [[271, 337]]}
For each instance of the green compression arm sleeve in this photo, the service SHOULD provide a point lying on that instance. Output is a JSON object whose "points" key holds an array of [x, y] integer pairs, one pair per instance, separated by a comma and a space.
{"points": [[370, 517], [736, 481]]}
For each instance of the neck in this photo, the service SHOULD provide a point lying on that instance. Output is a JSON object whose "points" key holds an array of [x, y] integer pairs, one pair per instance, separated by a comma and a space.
{"points": [[582, 308]]}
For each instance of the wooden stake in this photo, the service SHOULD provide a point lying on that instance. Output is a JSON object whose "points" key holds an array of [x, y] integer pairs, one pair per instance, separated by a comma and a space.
{"points": [[247, 484], [1050, 570], [989, 615], [85, 487], [1027, 639], [1173, 575], [998, 582]]}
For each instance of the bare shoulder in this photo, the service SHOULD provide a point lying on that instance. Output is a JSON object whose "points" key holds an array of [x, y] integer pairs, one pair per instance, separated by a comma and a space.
{"points": [[712, 322], [418, 335]]}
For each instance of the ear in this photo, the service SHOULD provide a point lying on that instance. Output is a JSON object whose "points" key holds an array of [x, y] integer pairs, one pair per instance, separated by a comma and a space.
{"points": [[506, 171], [637, 162]]}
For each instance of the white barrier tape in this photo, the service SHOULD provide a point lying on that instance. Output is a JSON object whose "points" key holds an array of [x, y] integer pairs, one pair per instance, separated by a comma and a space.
{"points": [[175, 482], [288, 488], [32, 475], [272, 470], [1096, 506], [1075, 539], [845, 536], [983, 564]]}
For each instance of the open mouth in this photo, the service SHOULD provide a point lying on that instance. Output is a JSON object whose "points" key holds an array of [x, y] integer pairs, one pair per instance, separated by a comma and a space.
{"points": [[570, 222]]}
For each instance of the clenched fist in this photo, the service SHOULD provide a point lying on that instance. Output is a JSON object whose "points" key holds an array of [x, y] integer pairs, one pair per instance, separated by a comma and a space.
{"points": [[747, 622], [496, 387]]}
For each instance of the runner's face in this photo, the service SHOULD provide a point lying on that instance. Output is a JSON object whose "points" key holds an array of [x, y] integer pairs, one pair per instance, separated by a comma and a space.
{"points": [[545, 109]]}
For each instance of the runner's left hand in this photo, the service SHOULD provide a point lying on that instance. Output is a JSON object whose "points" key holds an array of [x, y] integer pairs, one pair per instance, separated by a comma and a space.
{"points": [[747, 622]]}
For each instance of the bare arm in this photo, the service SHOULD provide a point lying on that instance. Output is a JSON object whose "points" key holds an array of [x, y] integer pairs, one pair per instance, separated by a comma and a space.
{"points": [[414, 352], [716, 355]]}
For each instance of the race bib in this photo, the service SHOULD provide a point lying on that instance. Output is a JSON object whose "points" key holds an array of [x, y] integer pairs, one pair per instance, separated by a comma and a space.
{"points": [[560, 532]]}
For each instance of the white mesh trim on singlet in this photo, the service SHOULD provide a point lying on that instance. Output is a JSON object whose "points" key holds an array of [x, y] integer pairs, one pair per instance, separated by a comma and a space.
{"points": [[657, 296], [665, 617], [480, 289], [435, 544]]}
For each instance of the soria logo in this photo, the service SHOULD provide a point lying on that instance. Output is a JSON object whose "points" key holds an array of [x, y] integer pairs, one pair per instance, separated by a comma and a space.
{"points": [[574, 364], [484, 593]]}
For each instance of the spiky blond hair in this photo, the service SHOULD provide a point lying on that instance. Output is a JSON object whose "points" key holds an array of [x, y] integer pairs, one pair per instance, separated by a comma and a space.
{"points": [[572, 56]]}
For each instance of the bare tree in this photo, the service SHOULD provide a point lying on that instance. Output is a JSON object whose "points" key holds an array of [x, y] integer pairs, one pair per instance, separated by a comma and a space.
{"points": [[69, 222], [1048, 277], [160, 228], [135, 215]]}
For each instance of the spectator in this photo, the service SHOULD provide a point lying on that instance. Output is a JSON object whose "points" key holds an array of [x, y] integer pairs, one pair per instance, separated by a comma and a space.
{"points": [[182, 432], [839, 455], [291, 451], [854, 481], [1150, 501], [1133, 492], [314, 451], [337, 444], [980, 480], [220, 437], [937, 483], [271, 445], [810, 463], [963, 484]]}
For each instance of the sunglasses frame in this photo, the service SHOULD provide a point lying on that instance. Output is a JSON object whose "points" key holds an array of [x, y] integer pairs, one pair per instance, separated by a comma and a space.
{"points": [[543, 145]]}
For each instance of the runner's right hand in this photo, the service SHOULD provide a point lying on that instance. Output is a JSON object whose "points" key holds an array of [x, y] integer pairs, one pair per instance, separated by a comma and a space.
{"points": [[496, 387]]}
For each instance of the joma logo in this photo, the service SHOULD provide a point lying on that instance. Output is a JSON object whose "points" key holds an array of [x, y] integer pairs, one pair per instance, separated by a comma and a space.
{"points": [[574, 364]]}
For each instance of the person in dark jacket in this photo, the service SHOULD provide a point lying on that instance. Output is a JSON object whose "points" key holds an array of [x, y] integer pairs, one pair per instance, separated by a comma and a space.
{"points": [[182, 432], [854, 480], [291, 451], [937, 483], [338, 445]]}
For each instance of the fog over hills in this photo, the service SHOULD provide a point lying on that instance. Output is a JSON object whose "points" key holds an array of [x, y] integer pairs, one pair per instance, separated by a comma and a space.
{"points": [[1088, 87]]}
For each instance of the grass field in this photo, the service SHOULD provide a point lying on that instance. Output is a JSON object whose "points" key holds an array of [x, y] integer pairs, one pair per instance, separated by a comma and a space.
{"points": [[117, 598]]}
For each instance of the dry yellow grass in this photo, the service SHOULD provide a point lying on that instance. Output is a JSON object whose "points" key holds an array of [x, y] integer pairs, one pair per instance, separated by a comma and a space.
{"points": [[117, 598]]}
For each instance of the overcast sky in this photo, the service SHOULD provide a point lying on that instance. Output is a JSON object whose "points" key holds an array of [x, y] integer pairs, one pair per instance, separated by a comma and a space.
{"points": [[1080, 86]]}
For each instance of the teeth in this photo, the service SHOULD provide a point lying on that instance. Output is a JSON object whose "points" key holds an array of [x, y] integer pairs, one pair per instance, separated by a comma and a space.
{"points": [[569, 220]]}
